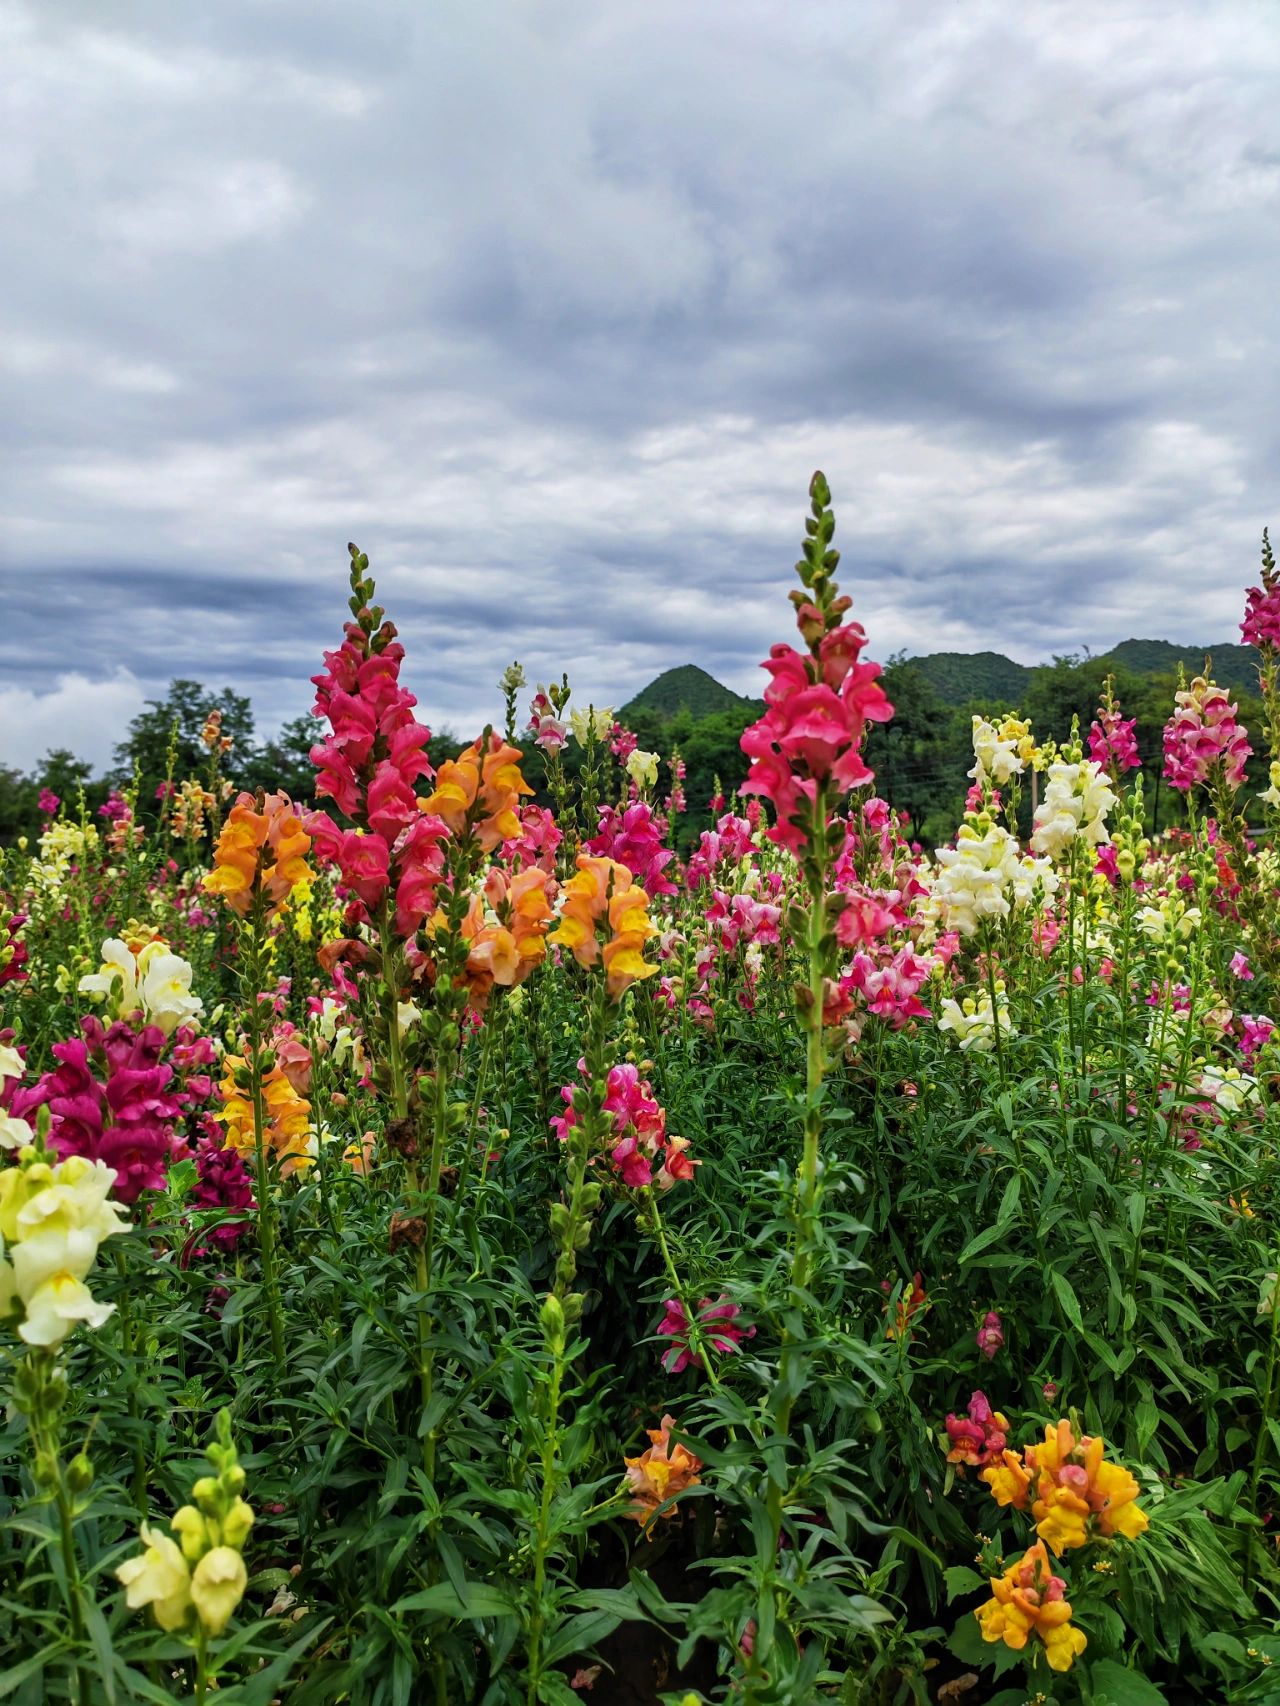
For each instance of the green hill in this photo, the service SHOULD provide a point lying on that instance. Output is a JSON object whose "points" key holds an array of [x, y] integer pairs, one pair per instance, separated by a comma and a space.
{"points": [[961, 677], [958, 677], [1233, 666], [691, 689]]}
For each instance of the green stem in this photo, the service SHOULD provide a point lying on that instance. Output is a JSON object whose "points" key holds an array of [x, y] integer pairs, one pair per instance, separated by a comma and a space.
{"points": [[266, 1201]]}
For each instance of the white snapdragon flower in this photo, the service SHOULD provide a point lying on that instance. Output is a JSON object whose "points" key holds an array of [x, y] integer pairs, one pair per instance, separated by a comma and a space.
{"points": [[996, 756], [590, 721], [1076, 802], [642, 767], [1228, 1087], [985, 876], [971, 1022], [156, 981], [52, 1220], [166, 988]]}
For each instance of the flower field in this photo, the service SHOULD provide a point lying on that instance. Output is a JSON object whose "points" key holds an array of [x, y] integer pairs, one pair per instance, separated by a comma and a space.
{"points": [[464, 1239]]}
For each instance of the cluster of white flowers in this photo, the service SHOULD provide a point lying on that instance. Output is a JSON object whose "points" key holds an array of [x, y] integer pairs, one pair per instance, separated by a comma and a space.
{"points": [[986, 875], [14, 1133], [590, 721], [62, 845], [1169, 920], [1228, 1087], [972, 1022], [997, 752], [52, 1219], [154, 981], [1075, 805]]}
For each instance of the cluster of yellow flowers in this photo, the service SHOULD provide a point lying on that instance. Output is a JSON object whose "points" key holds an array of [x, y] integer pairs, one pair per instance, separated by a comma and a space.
{"points": [[1075, 1496], [287, 1116], [202, 1573], [52, 1219]]}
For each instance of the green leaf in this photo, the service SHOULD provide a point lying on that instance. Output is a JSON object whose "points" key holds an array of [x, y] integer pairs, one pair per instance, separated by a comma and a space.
{"points": [[482, 1600], [960, 1579], [1065, 1293], [1114, 1685]]}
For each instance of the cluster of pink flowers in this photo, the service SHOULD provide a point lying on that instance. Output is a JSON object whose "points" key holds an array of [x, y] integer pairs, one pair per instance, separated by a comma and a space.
{"points": [[1255, 1034], [548, 731], [1112, 743], [222, 1182], [1261, 625], [727, 844], [1201, 734], [891, 989], [718, 1320], [368, 766], [818, 709], [536, 844], [978, 1437], [675, 802], [622, 743], [640, 1126], [48, 802], [633, 836], [111, 1099]]}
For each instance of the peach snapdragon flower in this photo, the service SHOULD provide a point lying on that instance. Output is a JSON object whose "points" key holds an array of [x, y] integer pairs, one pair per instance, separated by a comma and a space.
{"points": [[659, 1473], [259, 851]]}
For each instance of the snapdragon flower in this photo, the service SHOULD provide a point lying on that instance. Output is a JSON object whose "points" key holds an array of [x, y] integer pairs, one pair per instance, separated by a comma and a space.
{"points": [[985, 876], [53, 1217], [971, 1021], [1076, 802]]}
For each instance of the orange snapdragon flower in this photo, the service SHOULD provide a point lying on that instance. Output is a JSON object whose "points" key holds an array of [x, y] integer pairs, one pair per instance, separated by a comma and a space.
{"points": [[604, 893], [489, 774], [1077, 1495], [507, 951], [259, 851], [659, 1473], [287, 1115], [1029, 1599]]}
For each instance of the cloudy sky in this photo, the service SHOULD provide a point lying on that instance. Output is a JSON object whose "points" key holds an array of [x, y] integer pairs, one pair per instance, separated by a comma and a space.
{"points": [[554, 305]]}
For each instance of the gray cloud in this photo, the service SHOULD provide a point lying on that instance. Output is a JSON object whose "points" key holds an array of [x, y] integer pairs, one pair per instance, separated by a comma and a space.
{"points": [[555, 309]]}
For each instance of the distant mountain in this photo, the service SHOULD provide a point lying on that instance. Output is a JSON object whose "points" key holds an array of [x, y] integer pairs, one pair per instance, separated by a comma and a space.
{"points": [[1233, 666], [958, 677], [691, 689]]}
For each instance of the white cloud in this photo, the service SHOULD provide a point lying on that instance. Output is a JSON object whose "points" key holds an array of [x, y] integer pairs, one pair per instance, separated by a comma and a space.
{"points": [[87, 717]]}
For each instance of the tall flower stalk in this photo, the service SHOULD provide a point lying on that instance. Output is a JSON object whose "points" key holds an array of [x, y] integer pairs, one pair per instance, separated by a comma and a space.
{"points": [[805, 756]]}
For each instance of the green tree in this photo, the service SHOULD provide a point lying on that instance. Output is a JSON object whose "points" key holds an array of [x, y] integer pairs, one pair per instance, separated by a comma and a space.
{"points": [[186, 707]]}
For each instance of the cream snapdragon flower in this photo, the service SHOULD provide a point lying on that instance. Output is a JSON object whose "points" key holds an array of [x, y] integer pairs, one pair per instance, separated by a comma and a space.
{"points": [[1075, 805], [589, 721], [155, 981]]}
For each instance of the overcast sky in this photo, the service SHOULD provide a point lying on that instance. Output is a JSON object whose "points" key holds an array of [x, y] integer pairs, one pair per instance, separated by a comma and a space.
{"points": [[554, 306]]}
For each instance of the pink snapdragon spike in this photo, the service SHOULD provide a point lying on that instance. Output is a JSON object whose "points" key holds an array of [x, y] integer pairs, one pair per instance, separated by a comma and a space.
{"points": [[978, 1437], [110, 1099], [1261, 625], [368, 766], [1112, 743], [1240, 967], [48, 801], [1202, 736], [548, 731], [990, 1336], [727, 844], [633, 836], [719, 1322], [1255, 1034], [645, 1153], [622, 743], [812, 730]]}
